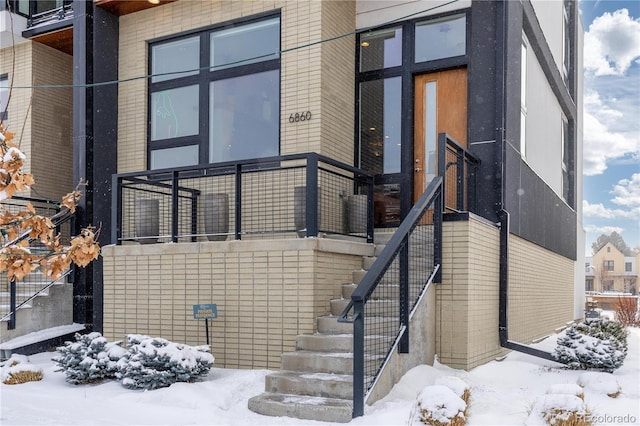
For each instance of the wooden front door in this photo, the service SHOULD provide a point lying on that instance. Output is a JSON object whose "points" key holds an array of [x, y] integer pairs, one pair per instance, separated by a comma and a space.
{"points": [[440, 107]]}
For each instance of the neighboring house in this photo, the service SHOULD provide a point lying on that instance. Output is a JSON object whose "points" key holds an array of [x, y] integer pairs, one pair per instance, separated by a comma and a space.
{"points": [[258, 154], [610, 271]]}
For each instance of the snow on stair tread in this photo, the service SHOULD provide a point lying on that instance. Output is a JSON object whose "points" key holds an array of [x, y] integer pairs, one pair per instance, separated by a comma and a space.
{"points": [[306, 400]]}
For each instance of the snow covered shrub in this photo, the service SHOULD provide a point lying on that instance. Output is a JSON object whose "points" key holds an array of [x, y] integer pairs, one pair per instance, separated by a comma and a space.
{"points": [[559, 410], [17, 369], [89, 359], [597, 344], [457, 385], [438, 405], [153, 362], [601, 383]]}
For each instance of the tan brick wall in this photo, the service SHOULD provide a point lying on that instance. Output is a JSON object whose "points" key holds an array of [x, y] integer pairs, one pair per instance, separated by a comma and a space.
{"points": [[467, 299], [42, 118], [267, 292], [52, 123], [316, 78], [20, 98], [540, 293]]}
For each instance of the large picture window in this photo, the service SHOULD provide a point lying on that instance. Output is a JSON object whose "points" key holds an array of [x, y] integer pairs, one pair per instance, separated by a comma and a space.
{"points": [[214, 96]]}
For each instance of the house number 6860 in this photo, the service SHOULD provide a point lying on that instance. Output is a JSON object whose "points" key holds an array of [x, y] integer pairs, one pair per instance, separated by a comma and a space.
{"points": [[300, 116]]}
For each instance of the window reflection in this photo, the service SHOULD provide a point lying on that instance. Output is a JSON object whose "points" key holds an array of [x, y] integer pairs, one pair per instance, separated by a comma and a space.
{"points": [[247, 44], [180, 55], [440, 38], [174, 157], [174, 113], [381, 49], [244, 117], [380, 111]]}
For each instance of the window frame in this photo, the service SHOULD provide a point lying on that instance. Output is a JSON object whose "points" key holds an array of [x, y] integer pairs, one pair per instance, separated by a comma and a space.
{"points": [[203, 79], [608, 265], [4, 111]]}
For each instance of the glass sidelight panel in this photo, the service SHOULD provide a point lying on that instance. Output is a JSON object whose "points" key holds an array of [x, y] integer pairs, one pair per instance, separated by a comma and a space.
{"points": [[430, 129], [380, 111]]}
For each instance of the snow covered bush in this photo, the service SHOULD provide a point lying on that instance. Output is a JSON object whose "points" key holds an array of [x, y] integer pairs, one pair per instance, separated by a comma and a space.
{"points": [[597, 344], [153, 362], [17, 369], [438, 405], [558, 410], [89, 359]]}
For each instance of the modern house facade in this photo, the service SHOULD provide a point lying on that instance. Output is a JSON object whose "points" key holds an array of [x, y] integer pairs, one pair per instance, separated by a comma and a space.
{"points": [[258, 155]]}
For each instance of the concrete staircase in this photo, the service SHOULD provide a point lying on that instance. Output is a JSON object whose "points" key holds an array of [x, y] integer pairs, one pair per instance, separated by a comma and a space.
{"points": [[45, 316], [316, 381]]}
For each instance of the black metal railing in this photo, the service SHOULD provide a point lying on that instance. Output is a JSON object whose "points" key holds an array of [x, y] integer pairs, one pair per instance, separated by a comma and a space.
{"points": [[307, 194], [16, 294], [458, 169], [41, 11], [384, 301]]}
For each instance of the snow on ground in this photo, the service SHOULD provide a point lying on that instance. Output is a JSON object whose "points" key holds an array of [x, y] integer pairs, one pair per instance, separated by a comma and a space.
{"points": [[502, 393]]}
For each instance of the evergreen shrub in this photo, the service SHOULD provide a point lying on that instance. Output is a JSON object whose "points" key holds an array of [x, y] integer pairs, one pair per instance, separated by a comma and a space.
{"points": [[152, 363], [89, 359], [595, 344]]}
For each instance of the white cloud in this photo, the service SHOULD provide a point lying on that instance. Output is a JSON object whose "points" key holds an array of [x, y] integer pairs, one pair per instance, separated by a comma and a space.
{"points": [[627, 192], [602, 212], [612, 43], [593, 229], [601, 143]]}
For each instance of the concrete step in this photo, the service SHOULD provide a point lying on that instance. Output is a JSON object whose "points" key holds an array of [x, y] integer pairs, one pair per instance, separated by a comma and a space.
{"points": [[358, 275], [387, 291], [329, 324], [303, 407], [382, 238], [318, 362], [374, 307], [367, 262], [310, 384], [325, 342]]}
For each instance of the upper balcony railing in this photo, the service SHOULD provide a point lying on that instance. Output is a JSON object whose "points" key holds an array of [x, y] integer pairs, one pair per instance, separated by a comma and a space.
{"points": [[42, 11], [304, 194]]}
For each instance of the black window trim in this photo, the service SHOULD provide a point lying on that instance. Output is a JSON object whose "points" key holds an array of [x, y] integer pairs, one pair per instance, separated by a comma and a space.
{"points": [[203, 79]]}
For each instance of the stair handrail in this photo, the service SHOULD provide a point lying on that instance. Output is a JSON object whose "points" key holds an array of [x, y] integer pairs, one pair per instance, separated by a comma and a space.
{"points": [[36, 294], [431, 198], [62, 216]]}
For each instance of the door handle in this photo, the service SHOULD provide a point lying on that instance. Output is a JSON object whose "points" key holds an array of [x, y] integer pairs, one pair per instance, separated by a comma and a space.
{"points": [[418, 169]]}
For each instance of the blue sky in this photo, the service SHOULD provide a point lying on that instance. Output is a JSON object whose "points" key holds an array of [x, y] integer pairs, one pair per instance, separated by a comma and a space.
{"points": [[611, 119]]}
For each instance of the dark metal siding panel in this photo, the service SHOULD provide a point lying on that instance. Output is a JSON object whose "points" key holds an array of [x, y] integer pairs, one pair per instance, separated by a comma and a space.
{"points": [[105, 132], [513, 188], [482, 105]]}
